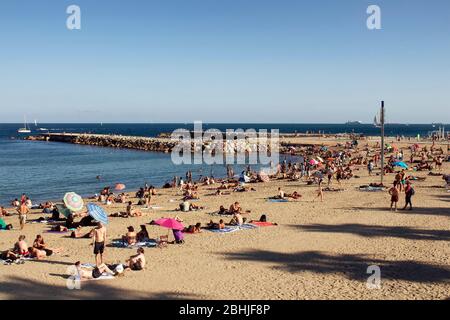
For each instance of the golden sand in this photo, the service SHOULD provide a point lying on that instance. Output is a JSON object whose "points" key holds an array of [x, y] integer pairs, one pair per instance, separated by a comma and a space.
{"points": [[320, 250]]}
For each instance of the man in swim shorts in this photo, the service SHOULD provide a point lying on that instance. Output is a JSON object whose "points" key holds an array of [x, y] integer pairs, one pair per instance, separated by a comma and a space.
{"points": [[99, 239]]}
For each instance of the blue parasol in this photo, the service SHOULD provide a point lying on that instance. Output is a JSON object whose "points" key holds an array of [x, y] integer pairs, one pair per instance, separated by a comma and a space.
{"points": [[401, 164], [97, 213]]}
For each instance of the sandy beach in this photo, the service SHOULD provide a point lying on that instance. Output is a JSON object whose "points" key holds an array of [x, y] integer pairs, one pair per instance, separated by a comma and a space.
{"points": [[319, 250]]}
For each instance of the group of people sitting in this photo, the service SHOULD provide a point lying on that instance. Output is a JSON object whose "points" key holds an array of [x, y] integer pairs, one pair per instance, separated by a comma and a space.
{"points": [[132, 237], [40, 250]]}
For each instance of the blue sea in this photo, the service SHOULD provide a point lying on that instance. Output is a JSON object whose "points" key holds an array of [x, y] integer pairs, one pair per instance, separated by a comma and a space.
{"points": [[45, 171]]}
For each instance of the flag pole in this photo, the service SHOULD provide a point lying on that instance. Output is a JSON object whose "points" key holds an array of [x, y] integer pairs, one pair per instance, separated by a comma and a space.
{"points": [[382, 140]]}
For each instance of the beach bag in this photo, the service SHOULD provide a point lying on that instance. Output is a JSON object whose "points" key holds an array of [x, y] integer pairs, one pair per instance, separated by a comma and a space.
{"points": [[413, 192]]}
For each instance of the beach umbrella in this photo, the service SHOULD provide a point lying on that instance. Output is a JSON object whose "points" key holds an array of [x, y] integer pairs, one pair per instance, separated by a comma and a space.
{"points": [[97, 213], [263, 176], [401, 164], [320, 159], [169, 223], [120, 187], [73, 201], [63, 210], [313, 162]]}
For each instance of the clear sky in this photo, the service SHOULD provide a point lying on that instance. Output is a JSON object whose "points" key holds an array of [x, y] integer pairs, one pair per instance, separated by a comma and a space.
{"points": [[224, 61]]}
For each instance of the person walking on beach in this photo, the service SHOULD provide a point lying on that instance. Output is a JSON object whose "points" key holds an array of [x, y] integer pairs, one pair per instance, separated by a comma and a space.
{"points": [[99, 239], [370, 167], [393, 191], [320, 191], [409, 192], [23, 211]]}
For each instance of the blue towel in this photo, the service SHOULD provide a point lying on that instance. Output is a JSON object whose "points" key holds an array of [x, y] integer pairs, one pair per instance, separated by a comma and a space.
{"points": [[277, 200], [224, 230], [248, 226], [145, 244]]}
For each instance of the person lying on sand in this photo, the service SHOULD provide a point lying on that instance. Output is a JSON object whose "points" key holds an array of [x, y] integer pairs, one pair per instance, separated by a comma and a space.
{"points": [[84, 274], [136, 262], [40, 244], [223, 211], [59, 228], [186, 206], [4, 213], [9, 255], [295, 195], [4, 226], [263, 218], [130, 237], [36, 253], [193, 228], [219, 192], [78, 234], [216, 226]]}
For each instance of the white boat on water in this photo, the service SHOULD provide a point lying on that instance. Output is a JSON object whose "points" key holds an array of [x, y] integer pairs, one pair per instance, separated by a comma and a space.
{"points": [[25, 129]]}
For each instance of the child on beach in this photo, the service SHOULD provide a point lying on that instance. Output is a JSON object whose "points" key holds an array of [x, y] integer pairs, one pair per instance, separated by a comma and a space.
{"points": [[394, 192]]}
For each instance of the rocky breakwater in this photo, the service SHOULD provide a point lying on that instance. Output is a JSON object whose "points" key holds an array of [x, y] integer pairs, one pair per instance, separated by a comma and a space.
{"points": [[126, 142]]}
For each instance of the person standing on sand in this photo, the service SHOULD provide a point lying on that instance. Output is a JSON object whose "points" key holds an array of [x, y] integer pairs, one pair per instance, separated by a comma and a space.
{"points": [[320, 192], [409, 192], [99, 239], [394, 192], [370, 167], [23, 211]]}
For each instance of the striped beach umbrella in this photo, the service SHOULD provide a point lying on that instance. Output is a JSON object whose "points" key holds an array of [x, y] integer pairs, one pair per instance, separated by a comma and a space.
{"points": [[73, 201], [97, 213]]}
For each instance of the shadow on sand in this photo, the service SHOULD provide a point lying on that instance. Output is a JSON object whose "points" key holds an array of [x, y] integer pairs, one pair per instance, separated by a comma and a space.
{"points": [[16, 288], [416, 210], [379, 231], [353, 267]]}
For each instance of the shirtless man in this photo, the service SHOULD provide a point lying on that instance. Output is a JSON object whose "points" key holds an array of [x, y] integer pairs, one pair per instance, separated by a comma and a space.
{"points": [[99, 239], [137, 262], [132, 212], [23, 211], [235, 208]]}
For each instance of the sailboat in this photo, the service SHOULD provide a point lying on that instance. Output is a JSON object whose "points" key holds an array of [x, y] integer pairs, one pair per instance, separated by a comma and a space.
{"points": [[25, 129]]}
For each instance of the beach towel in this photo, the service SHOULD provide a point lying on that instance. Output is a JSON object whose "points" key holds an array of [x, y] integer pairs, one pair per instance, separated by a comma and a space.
{"points": [[277, 200], [247, 226], [224, 230], [263, 224], [145, 244], [371, 189], [52, 231]]}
